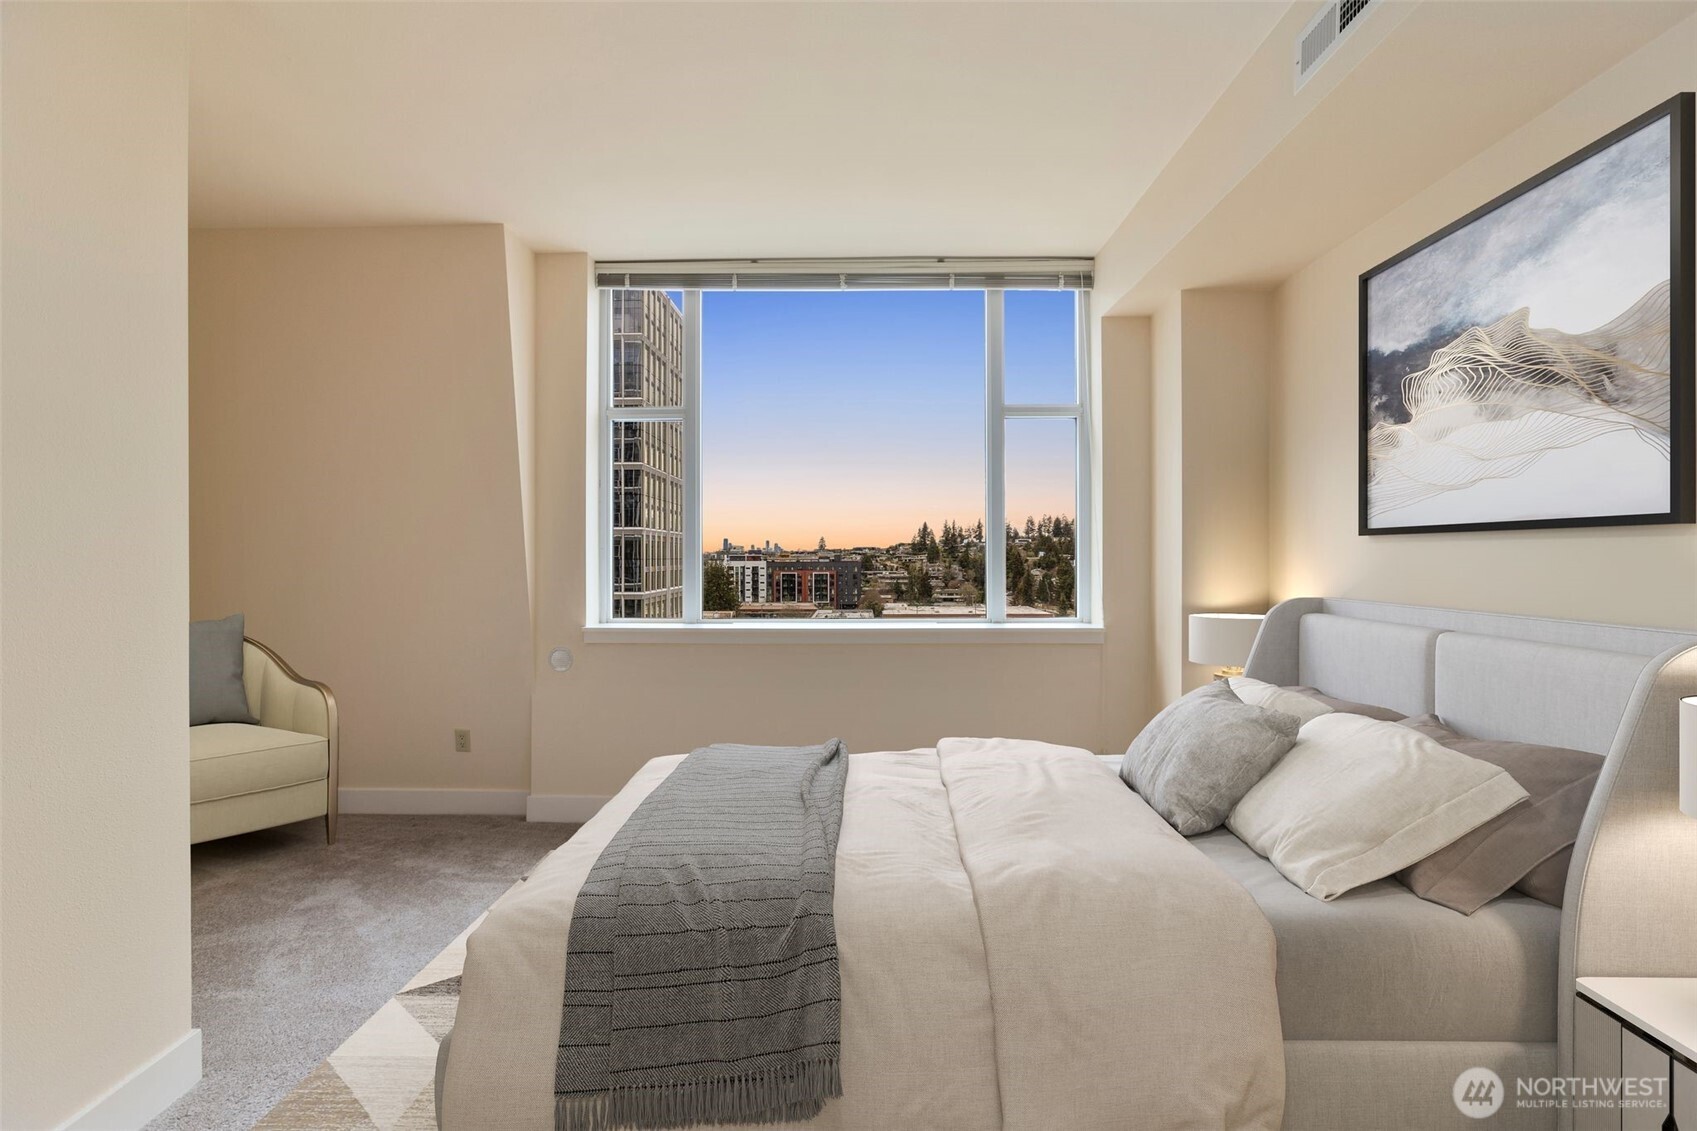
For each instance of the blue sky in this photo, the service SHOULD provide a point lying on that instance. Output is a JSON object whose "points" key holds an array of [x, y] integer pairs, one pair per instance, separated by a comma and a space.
{"points": [[856, 415]]}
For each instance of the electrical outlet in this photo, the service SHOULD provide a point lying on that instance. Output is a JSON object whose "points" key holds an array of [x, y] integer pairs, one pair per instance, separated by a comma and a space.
{"points": [[462, 742]]}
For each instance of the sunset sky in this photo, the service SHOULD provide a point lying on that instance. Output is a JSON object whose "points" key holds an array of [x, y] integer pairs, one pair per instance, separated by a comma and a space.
{"points": [[854, 416]]}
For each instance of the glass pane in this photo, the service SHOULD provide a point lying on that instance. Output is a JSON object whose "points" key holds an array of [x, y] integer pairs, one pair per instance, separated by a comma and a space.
{"points": [[647, 348], [1042, 503], [843, 454], [1039, 354], [648, 519]]}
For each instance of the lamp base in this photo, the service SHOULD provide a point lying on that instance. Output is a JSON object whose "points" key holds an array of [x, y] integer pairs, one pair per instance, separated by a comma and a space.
{"points": [[1227, 673]]}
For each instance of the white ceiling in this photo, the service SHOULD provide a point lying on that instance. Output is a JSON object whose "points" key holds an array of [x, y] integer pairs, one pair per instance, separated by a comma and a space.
{"points": [[696, 130]]}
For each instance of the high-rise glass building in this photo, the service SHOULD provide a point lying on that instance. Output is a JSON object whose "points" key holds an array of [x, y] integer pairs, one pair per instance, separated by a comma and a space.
{"points": [[648, 512]]}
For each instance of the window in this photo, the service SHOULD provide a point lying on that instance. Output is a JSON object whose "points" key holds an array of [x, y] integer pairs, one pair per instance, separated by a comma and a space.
{"points": [[841, 453]]}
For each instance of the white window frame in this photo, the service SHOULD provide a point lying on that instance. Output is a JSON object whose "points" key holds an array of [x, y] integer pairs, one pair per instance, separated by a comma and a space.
{"points": [[1085, 627]]}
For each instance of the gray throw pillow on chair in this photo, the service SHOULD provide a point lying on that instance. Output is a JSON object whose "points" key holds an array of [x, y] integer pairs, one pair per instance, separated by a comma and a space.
{"points": [[216, 694], [1196, 759]]}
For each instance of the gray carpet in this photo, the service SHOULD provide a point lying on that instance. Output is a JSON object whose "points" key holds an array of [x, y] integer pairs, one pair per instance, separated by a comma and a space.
{"points": [[297, 943]]}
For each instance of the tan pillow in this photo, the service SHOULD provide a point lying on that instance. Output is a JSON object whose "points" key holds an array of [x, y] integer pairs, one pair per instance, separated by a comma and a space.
{"points": [[1548, 881], [1386, 714], [1259, 693], [1357, 799], [1497, 855]]}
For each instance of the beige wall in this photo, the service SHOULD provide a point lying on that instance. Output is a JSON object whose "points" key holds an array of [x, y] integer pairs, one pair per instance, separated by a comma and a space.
{"points": [[1211, 371], [621, 704], [1633, 575], [94, 893], [356, 483]]}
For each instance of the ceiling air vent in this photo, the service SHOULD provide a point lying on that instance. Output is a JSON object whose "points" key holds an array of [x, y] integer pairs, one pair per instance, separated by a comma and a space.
{"points": [[1324, 32]]}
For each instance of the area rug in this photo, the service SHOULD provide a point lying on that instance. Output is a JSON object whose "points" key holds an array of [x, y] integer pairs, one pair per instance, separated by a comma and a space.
{"points": [[383, 1077]]}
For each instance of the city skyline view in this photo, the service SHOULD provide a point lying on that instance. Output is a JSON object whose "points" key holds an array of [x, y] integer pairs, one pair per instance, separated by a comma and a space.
{"points": [[857, 416], [843, 462]]}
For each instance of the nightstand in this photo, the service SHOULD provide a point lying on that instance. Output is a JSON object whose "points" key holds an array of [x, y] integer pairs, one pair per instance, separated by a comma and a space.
{"points": [[1638, 1029]]}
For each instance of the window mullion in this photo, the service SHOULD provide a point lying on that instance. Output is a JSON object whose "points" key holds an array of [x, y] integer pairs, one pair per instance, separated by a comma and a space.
{"points": [[1084, 524], [603, 567], [692, 457], [995, 448]]}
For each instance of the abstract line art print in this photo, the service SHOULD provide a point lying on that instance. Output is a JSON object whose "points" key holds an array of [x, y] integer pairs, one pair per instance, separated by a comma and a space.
{"points": [[1531, 364]]}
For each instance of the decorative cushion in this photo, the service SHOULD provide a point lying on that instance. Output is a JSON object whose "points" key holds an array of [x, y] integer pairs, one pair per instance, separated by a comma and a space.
{"points": [[1262, 694], [1383, 714], [216, 694], [1197, 757], [1548, 880], [1499, 854], [1289, 700], [1357, 799]]}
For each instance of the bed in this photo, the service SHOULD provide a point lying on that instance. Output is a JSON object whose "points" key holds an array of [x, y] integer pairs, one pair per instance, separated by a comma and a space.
{"points": [[1163, 1005]]}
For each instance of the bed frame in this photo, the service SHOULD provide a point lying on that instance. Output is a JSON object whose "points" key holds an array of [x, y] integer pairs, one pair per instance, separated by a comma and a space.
{"points": [[1631, 901]]}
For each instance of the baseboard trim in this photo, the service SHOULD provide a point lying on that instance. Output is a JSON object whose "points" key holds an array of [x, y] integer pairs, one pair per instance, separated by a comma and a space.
{"points": [[565, 808], [435, 802], [145, 1092]]}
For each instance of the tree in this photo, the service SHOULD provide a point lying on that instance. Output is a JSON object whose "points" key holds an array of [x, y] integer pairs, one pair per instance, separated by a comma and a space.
{"points": [[969, 593], [1065, 588], [973, 566], [953, 538], [821, 543], [871, 599], [718, 589], [1022, 590], [1030, 527], [1016, 565], [919, 588]]}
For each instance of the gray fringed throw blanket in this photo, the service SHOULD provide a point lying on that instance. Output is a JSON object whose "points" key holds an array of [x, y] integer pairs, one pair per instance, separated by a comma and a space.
{"points": [[701, 967]]}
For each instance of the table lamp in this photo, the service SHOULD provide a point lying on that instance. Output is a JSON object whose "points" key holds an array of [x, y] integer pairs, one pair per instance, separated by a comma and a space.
{"points": [[1223, 639]]}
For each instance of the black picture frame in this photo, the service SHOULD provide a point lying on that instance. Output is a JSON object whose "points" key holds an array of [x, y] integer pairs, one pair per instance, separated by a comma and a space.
{"points": [[1681, 110]]}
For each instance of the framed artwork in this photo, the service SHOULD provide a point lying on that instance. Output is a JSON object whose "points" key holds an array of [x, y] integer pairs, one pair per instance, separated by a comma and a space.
{"points": [[1531, 364]]}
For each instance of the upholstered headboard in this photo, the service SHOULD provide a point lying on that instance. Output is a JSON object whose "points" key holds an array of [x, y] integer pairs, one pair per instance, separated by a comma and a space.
{"points": [[1614, 690]]}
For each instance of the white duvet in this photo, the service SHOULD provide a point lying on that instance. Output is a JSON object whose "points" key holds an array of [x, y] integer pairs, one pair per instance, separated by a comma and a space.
{"points": [[1024, 944]]}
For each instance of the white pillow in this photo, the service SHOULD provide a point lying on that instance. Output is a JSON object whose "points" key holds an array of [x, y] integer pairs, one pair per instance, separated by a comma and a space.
{"points": [[1357, 799], [1262, 694]]}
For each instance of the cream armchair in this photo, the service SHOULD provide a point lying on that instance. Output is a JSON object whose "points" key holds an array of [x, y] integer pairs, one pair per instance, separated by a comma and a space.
{"points": [[244, 777]]}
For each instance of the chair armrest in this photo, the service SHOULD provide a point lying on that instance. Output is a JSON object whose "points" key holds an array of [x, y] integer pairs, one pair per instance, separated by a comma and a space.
{"points": [[282, 698]]}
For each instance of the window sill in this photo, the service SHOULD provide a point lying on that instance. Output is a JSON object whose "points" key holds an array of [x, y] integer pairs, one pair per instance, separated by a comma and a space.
{"points": [[843, 632]]}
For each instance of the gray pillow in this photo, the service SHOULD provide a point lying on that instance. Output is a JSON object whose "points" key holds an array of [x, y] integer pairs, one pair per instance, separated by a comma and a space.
{"points": [[216, 694], [1196, 759], [1530, 842]]}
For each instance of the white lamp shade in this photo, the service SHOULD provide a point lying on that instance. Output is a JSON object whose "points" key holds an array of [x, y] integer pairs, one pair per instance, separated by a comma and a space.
{"points": [[1223, 639], [1688, 756]]}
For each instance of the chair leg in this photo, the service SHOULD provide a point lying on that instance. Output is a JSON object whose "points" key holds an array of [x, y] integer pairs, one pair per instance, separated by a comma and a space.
{"points": [[330, 822]]}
